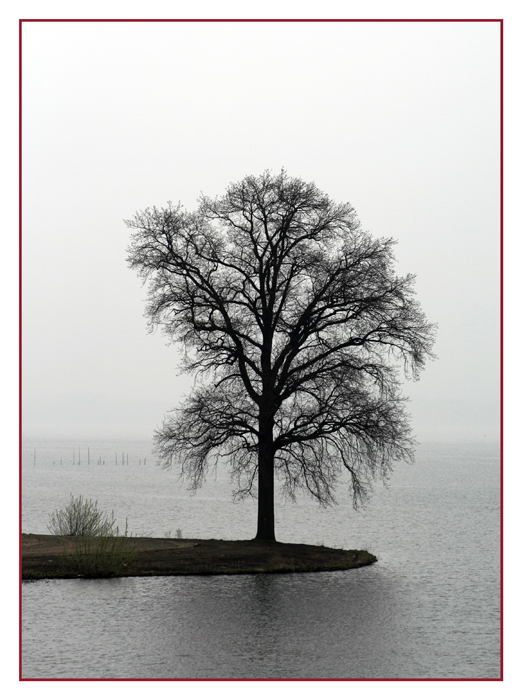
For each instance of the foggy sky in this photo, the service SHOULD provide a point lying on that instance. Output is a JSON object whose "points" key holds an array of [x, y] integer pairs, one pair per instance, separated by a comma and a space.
{"points": [[400, 119]]}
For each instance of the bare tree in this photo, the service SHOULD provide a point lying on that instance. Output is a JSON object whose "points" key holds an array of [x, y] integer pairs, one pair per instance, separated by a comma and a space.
{"points": [[294, 323]]}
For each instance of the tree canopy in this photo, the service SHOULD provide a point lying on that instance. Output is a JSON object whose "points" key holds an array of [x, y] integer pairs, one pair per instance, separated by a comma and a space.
{"points": [[295, 324]]}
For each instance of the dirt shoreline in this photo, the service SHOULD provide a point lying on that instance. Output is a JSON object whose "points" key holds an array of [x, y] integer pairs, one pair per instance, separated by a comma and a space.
{"points": [[45, 556]]}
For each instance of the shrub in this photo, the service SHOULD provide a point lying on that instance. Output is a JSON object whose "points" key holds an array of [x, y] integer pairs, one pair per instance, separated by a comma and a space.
{"points": [[98, 549], [83, 518]]}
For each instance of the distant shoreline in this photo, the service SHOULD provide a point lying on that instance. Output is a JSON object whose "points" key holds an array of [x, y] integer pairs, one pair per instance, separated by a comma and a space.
{"points": [[48, 556]]}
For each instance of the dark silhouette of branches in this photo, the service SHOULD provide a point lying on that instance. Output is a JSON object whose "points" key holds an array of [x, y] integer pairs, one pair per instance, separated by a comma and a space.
{"points": [[294, 322]]}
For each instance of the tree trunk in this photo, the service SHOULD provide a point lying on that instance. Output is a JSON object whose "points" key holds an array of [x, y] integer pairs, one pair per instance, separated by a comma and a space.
{"points": [[265, 503]]}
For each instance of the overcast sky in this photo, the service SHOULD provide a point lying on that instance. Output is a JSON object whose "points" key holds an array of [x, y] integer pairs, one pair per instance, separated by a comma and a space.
{"points": [[400, 119]]}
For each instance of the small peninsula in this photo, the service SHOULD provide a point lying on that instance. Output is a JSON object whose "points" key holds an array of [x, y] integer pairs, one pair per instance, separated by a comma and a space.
{"points": [[49, 556]]}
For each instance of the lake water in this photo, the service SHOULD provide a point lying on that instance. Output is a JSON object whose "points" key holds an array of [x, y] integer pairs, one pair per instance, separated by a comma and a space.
{"points": [[430, 607]]}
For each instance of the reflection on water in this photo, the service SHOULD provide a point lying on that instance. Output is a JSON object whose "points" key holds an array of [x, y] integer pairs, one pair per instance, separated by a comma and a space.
{"points": [[428, 609], [357, 624], [282, 626]]}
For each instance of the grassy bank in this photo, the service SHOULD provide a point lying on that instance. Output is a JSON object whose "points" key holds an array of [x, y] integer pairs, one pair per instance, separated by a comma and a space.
{"points": [[52, 556]]}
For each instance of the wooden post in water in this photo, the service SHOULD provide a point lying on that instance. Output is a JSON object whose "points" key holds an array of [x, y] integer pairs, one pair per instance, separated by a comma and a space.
{"points": [[34, 458], [127, 459], [145, 462]]}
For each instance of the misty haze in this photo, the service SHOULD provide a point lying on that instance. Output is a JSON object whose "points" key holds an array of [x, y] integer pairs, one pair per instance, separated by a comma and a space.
{"points": [[261, 350]]}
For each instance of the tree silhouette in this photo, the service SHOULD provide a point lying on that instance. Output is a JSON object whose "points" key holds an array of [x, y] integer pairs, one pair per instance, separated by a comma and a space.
{"points": [[294, 323]]}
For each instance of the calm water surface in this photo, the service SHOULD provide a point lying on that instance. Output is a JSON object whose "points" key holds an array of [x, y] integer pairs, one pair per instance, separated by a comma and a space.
{"points": [[428, 609]]}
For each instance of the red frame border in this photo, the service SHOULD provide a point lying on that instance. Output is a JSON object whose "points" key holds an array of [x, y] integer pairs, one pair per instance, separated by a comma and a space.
{"points": [[501, 22]]}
